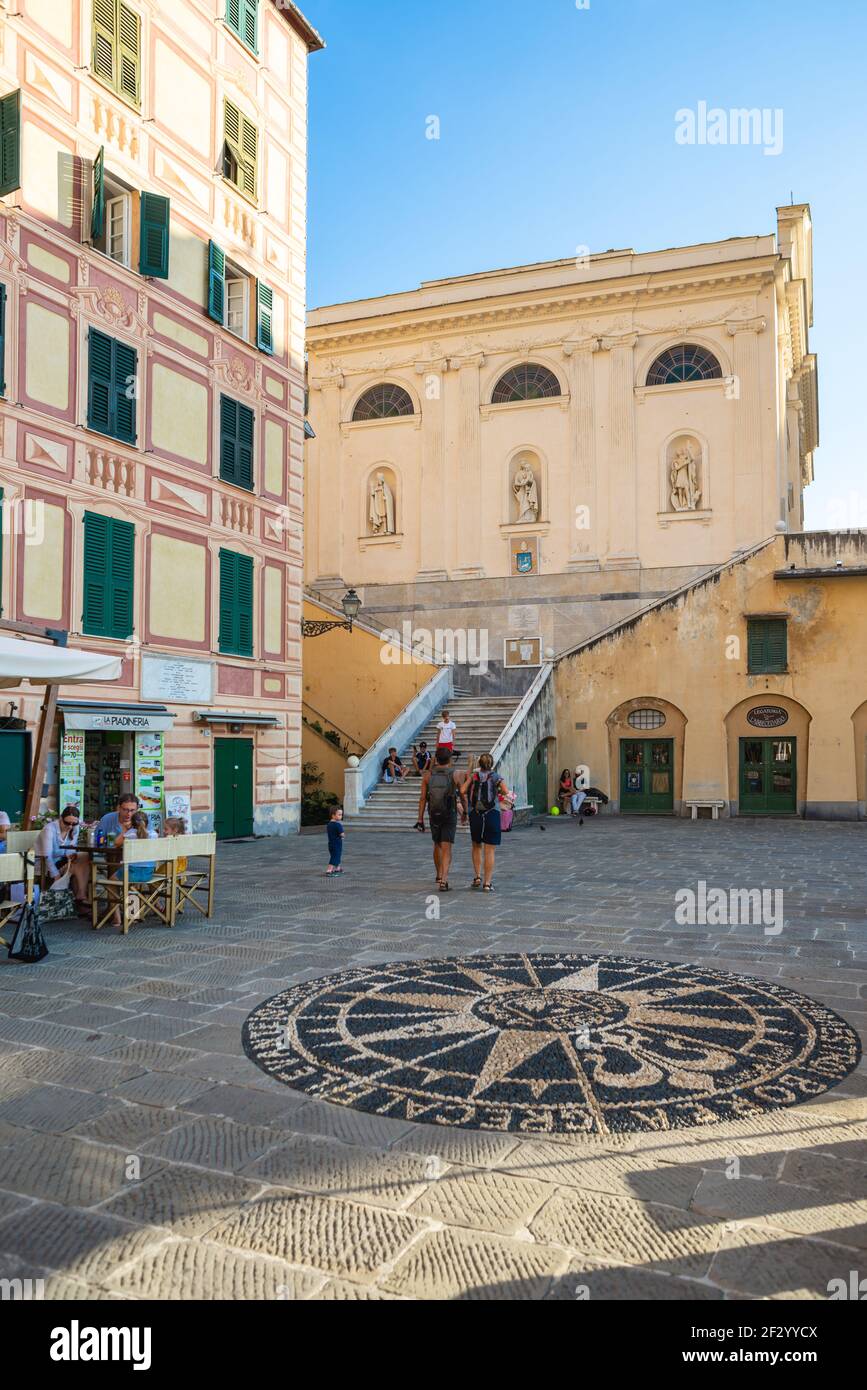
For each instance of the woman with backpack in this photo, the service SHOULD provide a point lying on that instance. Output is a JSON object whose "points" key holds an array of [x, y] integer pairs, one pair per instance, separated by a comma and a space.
{"points": [[485, 788]]}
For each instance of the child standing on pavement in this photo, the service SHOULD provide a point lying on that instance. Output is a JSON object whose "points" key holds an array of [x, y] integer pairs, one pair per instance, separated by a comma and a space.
{"points": [[336, 831]]}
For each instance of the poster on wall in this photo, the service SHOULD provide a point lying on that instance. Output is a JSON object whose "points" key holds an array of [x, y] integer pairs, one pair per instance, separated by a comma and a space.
{"points": [[71, 791], [150, 777], [179, 807]]}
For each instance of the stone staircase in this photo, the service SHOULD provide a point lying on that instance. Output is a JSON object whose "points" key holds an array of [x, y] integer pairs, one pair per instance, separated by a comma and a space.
{"points": [[479, 719]]}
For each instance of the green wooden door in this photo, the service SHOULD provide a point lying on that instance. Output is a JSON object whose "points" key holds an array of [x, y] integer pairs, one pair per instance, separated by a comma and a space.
{"points": [[768, 777], [14, 772], [647, 775], [537, 779], [233, 787]]}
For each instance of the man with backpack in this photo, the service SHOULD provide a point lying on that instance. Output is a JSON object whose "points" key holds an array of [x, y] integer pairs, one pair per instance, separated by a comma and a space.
{"points": [[442, 792], [485, 787]]}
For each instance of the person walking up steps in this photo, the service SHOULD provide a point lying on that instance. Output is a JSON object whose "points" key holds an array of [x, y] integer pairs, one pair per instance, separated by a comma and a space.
{"points": [[336, 832], [485, 788], [441, 792], [446, 730]]}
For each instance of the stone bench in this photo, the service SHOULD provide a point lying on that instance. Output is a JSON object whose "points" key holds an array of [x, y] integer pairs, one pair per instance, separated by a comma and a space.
{"points": [[696, 803]]}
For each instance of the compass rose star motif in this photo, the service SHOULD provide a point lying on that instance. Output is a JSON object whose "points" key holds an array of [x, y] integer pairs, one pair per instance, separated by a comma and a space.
{"points": [[551, 1041]]}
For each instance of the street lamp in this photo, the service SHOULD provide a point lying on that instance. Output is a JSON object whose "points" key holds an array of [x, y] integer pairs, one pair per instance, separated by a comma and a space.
{"points": [[351, 605]]}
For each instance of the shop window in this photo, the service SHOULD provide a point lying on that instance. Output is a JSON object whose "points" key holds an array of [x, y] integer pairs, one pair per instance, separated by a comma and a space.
{"points": [[236, 603], [117, 48], [767, 646], [111, 387], [109, 554], [236, 443]]}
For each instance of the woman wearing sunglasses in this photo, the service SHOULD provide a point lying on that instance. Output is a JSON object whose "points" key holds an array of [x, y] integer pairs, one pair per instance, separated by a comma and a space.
{"points": [[56, 845]]}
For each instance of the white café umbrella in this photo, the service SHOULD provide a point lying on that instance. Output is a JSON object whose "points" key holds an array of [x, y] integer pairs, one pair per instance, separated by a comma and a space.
{"points": [[51, 666], [43, 665]]}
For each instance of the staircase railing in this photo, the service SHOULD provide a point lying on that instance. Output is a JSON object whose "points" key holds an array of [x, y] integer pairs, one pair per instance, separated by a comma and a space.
{"points": [[532, 721], [360, 779]]}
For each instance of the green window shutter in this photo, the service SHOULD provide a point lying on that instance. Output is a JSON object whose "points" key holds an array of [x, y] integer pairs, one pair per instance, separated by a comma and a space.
{"points": [[228, 439], [232, 127], [105, 40], [121, 561], [10, 143], [125, 385], [767, 645], [236, 443], [154, 236], [2, 342], [242, 144], [264, 316], [99, 381], [129, 54], [249, 22], [216, 282], [109, 551], [245, 447], [95, 592], [97, 214], [242, 17], [236, 603]]}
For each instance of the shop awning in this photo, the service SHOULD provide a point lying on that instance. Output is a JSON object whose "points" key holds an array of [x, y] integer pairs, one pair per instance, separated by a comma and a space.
{"points": [[21, 660], [108, 716], [235, 716]]}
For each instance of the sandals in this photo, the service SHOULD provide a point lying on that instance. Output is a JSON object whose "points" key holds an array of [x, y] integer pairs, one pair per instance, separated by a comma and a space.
{"points": [[476, 883], [444, 886], [488, 888]]}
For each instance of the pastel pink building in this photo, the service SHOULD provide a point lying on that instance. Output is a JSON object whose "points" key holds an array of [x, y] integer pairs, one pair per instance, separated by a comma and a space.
{"points": [[152, 301]]}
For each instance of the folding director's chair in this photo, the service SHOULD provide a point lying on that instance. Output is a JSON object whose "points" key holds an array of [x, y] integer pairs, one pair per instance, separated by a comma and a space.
{"points": [[134, 900]]}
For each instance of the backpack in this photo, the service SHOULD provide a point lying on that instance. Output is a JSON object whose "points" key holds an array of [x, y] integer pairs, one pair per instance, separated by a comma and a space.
{"points": [[442, 797], [484, 792]]}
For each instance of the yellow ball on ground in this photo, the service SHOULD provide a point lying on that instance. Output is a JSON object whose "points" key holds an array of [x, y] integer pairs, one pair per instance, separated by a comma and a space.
{"points": [[555, 810]]}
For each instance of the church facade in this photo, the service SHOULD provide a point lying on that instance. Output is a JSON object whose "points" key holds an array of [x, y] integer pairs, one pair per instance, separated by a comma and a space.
{"points": [[530, 455]]}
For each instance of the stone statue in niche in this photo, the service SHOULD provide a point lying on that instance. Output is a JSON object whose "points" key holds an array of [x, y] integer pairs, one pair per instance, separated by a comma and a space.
{"points": [[683, 479], [526, 493], [380, 511]]}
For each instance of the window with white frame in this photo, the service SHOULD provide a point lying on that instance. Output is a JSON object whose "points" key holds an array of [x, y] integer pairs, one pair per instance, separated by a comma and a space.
{"points": [[237, 301], [118, 218]]}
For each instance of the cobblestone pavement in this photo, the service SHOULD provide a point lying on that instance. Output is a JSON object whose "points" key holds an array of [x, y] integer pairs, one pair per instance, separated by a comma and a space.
{"points": [[143, 1155]]}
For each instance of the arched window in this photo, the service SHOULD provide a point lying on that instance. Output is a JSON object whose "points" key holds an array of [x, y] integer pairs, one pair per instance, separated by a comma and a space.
{"points": [[686, 362], [529, 382], [383, 402]]}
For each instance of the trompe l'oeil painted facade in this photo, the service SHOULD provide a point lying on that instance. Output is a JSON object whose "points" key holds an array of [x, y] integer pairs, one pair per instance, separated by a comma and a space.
{"points": [[541, 450], [152, 279]]}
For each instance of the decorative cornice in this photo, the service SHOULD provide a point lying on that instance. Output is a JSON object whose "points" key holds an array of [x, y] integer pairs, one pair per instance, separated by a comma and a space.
{"points": [[578, 304]]}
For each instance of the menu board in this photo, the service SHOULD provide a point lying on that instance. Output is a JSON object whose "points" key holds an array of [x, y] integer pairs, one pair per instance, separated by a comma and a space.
{"points": [[150, 776], [71, 780]]}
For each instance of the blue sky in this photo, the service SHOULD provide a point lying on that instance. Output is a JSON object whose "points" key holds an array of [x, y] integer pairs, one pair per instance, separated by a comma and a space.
{"points": [[557, 131]]}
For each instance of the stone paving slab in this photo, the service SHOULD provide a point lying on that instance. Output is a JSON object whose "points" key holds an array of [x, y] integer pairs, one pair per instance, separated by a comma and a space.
{"points": [[246, 1189]]}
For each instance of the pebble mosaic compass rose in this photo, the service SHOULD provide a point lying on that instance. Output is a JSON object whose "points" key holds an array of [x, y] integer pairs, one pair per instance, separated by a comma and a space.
{"points": [[551, 1043]]}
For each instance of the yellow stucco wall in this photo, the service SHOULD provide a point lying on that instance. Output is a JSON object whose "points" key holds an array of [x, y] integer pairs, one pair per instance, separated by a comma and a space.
{"points": [[43, 569], [188, 264], [689, 658], [46, 369], [177, 588], [346, 682], [329, 760], [274, 456], [273, 601], [179, 414]]}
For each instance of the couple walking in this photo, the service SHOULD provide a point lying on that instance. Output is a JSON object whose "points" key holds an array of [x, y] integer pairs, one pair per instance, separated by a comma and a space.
{"points": [[477, 794]]}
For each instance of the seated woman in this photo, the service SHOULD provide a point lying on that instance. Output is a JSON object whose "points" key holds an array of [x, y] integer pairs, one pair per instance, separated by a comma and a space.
{"points": [[56, 845], [565, 790]]}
